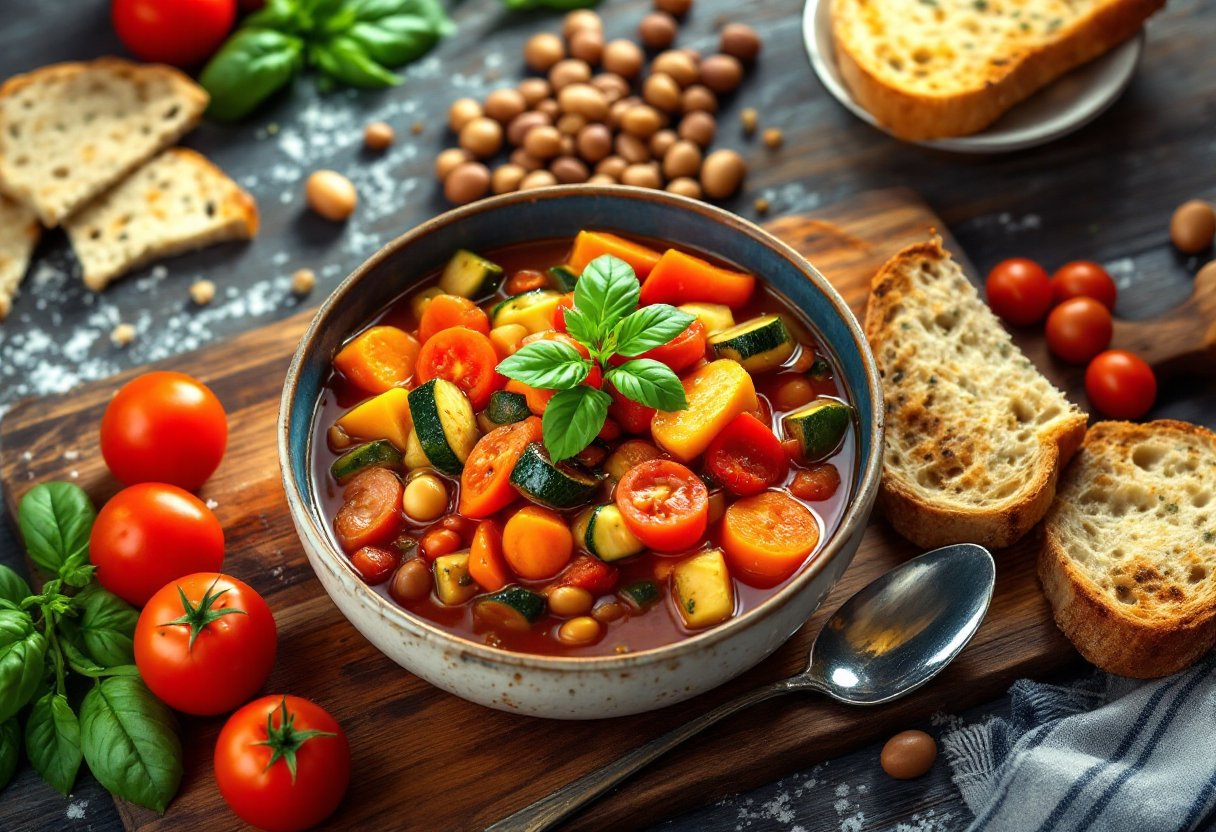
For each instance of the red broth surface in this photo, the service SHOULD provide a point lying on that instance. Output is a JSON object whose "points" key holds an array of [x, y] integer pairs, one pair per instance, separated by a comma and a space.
{"points": [[661, 624]]}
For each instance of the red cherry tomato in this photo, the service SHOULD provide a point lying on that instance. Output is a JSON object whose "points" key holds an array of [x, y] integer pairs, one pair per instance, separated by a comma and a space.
{"points": [[274, 790], [746, 457], [633, 417], [679, 353], [211, 657], [664, 504], [1019, 291], [1078, 329], [151, 534], [178, 32], [589, 573], [1083, 279], [164, 427], [465, 358], [559, 311], [1121, 384]]}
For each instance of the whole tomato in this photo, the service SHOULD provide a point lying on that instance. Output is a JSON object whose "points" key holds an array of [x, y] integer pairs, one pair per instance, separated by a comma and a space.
{"points": [[1084, 279], [164, 427], [1019, 291], [282, 763], [1121, 384], [150, 534], [205, 643], [178, 32], [1078, 329]]}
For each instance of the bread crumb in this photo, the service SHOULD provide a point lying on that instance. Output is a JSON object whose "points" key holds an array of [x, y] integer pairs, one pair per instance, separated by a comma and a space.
{"points": [[303, 281], [761, 205], [417, 128], [773, 137], [750, 118], [202, 292], [122, 335]]}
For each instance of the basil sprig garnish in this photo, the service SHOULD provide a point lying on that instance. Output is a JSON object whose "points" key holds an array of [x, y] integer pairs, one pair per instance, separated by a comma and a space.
{"points": [[606, 320]]}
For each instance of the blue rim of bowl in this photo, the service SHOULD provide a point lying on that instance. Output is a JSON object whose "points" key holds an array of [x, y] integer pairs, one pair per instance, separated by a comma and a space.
{"points": [[855, 516]]}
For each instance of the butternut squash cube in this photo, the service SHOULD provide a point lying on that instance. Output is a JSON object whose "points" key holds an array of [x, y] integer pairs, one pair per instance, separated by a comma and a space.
{"points": [[717, 393], [385, 417], [703, 590]]}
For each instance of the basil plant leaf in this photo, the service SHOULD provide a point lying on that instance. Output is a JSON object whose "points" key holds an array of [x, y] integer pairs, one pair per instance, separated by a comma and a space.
{"points": [[105, 627], [13, 587], [56, 519], [251, 66], [22, 649], [129, 739], [430, 11], [650, 327], [10, 749], [650, 383], [52, 741], [395, 41], [572, 419], [344, 59], [607, 291], [580, 328], [546, 365], [280, 15]]}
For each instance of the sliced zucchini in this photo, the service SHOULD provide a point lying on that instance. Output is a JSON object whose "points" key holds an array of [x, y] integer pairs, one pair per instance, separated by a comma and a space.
{"points": [[380, 453], [453, 583], [470, 276], [759, 344], [818, 427], [445, 428], [512, 607], [533, 310], [641, 595], [715, 316], [820, 369], [505, 408], [628, 454], [565, 484], [703, 590], [563, 278], [602, 532]]}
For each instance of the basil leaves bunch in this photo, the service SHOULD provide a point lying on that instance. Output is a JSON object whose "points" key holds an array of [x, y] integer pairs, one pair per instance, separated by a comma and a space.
{"points": [[126, 735], [355, 42], [606, 320]]}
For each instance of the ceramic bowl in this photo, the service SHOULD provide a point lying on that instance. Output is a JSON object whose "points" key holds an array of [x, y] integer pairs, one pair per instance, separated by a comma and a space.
{"points": [[580, 687]]}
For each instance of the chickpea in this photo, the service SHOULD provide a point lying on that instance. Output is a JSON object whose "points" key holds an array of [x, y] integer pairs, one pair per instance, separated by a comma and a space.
{"points": [[632, 149], [908, 754], [462, 111], [581, 20], [585, 100], [568, 170], [613, 166], [793, 394], [722, 173], [549, 107], [570, 601], [1193, 226], [521, 124], [587, 45], [642, 121], [678, 65], [534, 90], [610, 611], [699, 97], [425, 498], [677, 8], [202, 292], [662, 91], [619, 109], [601, 179], [543, 142], [661, 141], [623, 57], [773, 138], [569, 71], [721, 73], [593, 142], [331, 195], [642, 176], [468, 182], [581, 630], [570, 123], [412, 582], [717, 505], [698, 126], [524, 160], [482, 137], [682, 159], [337, 439], [740, 41], [658, 30], [448, 159], [537, 179], [378, 135], [543, 50], [504, 105], [506, 178], [566, 148], [613, 86], [749, 118]]}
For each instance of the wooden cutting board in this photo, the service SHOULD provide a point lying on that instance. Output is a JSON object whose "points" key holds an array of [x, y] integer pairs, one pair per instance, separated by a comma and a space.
{"points": [[425, 760]]}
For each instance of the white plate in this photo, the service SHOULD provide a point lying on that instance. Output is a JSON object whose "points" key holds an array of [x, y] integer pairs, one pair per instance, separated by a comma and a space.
{"points": [[1065, 105]]}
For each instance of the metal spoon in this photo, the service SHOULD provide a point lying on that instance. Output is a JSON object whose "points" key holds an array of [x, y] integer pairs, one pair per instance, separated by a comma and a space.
{"points": [[886, 641]]}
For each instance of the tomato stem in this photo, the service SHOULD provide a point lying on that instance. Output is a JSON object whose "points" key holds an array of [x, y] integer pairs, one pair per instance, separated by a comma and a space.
{"points": [[199, 617], [285, 740]]}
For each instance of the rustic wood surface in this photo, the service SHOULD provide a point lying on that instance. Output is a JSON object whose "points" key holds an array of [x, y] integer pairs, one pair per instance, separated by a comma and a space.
{"points": [[1104, 193]]}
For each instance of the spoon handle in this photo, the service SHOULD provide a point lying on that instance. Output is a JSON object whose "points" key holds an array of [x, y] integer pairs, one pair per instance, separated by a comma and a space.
{"points": [[549, 811]]}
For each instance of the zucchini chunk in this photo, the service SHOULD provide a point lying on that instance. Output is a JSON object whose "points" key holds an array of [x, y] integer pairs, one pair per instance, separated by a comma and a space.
{"points": [[453, 583], [562, 278], [505, 408], [715, 316], [703, 590], [601, 531], [641, 595], [759, 344], [380, 453], [629, 453], [559, 485], [819, 427], [470, 276], [445, 429], [512, 607], [533, 310]]}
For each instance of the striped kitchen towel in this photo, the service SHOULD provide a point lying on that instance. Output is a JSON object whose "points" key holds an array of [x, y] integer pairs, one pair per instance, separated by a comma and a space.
{"points": [[1107, 754]]}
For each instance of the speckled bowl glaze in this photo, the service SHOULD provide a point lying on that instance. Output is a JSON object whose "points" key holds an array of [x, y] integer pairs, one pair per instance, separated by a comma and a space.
{"points": [[601, 686]]}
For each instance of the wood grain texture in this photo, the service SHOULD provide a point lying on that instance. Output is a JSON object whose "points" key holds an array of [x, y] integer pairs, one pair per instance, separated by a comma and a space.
{"points": [[417, 746]]}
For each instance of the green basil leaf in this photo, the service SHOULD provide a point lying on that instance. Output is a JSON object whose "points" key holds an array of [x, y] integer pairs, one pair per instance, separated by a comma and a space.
{"points": [[22, 649], [85, 666], [13, 587], [579, 328], [559, 5], [650, 327], [52, 741], [105, 627], [572, 419], [607, 291], [431, 11], [344, 59], [250, 66], [650, 383], [56, 519], [395, 41], [10, 749], [129, 739], [280, 15], [546, 365]]}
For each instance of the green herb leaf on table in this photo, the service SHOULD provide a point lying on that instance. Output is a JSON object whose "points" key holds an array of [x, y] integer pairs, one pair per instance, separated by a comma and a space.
{"points": [[650, 327], [251, 66], [649, 382], [55, 520], [105, 628], [344, 59], [22, 652], [572, 419], [129, 739], [558, 5], [13, 587], [10, 745], [607, 291], [52, 741], [546, 365]]}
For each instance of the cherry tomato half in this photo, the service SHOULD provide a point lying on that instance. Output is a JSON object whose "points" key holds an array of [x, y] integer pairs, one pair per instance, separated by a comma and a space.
{"points": [[1019, 291], [1121, 384], [212, 657], [178, 32], [633, 417], [298, 789], [465, 358], [150, 534], [1083, 279], [164, 427], [679, 353], [1078, 329], [664, 504], [746, 457]]}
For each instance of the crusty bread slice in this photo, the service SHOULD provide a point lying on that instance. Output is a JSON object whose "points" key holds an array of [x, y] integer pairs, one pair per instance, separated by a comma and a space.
{"points": [[1129, 563], [19, 233], [70, 131], [975, 436], [928, 69], [177, 202]]}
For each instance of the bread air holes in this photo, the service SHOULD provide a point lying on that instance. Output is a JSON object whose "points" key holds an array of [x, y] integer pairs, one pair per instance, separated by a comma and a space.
{"points": [[1023, 412], [172, 112], [1196, 573], [1201, 499], [1146, 457], [1048, 413], [1125, 594], [61, 172]]}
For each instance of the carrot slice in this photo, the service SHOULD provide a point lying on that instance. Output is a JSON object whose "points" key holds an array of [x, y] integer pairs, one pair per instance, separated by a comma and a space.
{"points": [[447, 311], [537, 543], [485, 483], [589, 245], [487, 566], [681, 278], [379, 359], [767, 537]]}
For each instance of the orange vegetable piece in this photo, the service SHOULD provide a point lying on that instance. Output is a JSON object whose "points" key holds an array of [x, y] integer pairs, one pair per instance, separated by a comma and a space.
{"points": [[379, 359], [537, 543], [485, 483], [487, 565], [767, 537], [537, 399], [589, 245], [447, 311], [681, 278]]}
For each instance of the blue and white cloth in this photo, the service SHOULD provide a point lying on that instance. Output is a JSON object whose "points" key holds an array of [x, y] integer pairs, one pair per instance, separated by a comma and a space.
{"points": [[1105, 755]]}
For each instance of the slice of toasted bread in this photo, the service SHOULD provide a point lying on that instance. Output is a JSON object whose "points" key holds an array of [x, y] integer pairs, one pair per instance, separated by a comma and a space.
{"points": [[70, 131], [19, 233], [975, 436], [928, 69], [1130, 559], [177, 202]]}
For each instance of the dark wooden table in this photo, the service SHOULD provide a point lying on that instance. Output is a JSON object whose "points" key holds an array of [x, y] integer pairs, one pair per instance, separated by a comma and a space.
{"points": [[1104, 193]]}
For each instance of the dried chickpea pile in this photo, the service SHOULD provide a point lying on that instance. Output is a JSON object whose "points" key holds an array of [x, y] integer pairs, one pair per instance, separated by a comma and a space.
{"points": [[601, 116]]}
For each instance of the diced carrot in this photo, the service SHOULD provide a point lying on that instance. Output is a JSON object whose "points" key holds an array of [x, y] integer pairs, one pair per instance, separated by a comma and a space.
{"points": [[485, 483], [537, 543], [385, 417], [589, 245], [681, 278], [447, 311], [525, 280], [537, 399], [716, 393], [767, 537], [487, 566], [379, 359]]}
